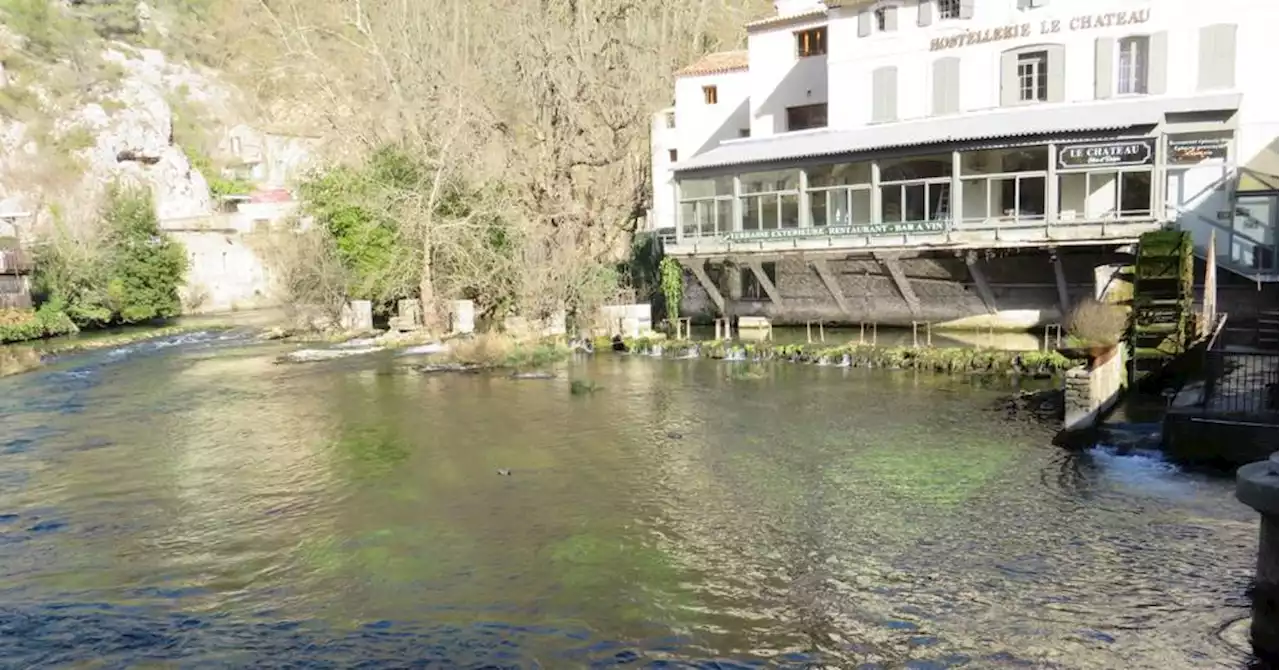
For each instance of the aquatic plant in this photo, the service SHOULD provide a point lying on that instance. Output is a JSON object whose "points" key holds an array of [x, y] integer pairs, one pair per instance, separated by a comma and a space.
{"points": [[950, 360], [580, 387], [672, 288]]}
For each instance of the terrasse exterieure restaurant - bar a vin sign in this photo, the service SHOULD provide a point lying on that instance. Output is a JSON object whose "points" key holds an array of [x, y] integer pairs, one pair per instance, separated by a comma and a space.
{"points": [[1121, 153]]}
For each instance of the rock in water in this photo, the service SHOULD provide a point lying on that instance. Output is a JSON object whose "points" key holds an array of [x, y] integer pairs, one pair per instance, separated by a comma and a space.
{"points": [[504, 472]]}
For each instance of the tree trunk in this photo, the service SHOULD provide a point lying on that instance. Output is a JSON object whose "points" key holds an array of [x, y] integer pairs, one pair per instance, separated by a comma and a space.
{"points": [[431, 320]]}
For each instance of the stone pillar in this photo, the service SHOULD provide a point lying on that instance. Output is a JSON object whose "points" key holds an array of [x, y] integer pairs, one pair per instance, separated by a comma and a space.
{"points": [[357, 316], [1256, 486], [462, 317]]}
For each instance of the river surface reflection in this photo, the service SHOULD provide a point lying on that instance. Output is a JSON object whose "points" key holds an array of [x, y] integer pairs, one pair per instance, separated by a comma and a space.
{"points": [[189, 501]]}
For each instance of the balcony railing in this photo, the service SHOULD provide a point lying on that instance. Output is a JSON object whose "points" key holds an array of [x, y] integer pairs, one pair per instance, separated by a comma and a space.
{"points": [[1014, 228], [1240, 381]]}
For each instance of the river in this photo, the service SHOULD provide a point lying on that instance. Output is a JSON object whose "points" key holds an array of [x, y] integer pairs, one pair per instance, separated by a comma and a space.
{"points": [[187, 500]]}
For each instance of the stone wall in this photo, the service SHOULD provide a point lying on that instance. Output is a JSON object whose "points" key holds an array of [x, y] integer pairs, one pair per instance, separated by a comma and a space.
{"points": [[1092, 390], [1023, 290], [225, 273]]}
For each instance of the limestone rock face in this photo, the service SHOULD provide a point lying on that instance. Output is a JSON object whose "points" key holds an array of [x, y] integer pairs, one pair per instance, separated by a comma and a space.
{"points": [[131, 129]]}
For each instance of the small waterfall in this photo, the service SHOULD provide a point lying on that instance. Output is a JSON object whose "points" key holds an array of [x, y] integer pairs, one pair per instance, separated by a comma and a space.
{"points": [[735, 354]]}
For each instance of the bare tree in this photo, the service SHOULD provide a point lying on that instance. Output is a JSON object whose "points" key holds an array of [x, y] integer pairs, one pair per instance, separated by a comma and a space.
{"points": [[543, 106]]}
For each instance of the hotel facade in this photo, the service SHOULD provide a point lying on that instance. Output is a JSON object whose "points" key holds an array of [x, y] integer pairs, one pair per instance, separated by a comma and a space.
{"points": [[967, 162]]}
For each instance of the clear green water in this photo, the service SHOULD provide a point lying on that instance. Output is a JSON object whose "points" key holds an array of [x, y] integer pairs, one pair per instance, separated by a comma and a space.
{"points": [[189, 502]]}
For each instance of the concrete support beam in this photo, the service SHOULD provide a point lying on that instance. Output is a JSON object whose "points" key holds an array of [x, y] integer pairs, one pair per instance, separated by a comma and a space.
{"points": [[894, 268], [1060, 276], [980, 281], [696, 266], [765, 283], [833, 286]]}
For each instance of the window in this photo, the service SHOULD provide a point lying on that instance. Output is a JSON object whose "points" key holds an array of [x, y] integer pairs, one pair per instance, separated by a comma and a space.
{"points": [[710, 95], [882, 18], [706, 206], [770, 200], [744, 132], [1132, 76], [671, 119], [948, 9], [1033, 76], [672, 154], [807, 116], [751, 288], [812, 42]]}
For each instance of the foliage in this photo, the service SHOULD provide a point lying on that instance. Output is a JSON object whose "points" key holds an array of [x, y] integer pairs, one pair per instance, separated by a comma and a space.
{"points": [[219, 186], [952, 360], [20, 325], [672, 287], [130, 275], [1095, 324], [50, 32]]}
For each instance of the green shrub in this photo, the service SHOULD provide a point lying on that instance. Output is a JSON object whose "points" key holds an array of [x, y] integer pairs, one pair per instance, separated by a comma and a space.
{"points": [[133, 277], [20, 325]]}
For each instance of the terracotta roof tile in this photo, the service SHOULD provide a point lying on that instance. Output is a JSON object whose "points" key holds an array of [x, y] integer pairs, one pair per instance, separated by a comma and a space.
{"points": [[721, 61]]}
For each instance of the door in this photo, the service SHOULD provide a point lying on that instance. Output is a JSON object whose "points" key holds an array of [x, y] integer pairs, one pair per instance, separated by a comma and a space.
{"points": [[1253, 231]]}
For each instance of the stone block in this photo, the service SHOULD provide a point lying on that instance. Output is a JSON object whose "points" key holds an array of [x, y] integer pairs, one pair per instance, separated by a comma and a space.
{"points": [[462, 317], [357, 316], [410, 310]]}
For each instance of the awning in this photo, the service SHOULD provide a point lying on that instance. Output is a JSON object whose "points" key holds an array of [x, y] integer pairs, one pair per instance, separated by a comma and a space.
{"points": [[1015, 122], [1262, 172]]}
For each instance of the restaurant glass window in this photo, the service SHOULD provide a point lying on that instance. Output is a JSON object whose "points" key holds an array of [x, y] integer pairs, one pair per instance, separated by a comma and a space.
{"points": [[1004, 184], [1105, 180], [1253, 231], [916, 188], [770, 200], [706, 206], [839, 195]]}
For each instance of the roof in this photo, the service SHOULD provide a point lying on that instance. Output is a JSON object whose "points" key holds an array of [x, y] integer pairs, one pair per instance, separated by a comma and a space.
{"points": [[1003, 123], [713, 63], [783, 18]]}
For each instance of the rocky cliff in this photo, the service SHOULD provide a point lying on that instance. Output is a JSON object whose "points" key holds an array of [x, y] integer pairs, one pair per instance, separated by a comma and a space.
{"points": [[60, 149]]}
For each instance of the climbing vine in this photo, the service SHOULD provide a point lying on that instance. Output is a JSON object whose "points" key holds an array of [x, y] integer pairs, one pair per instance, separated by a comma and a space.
{"points": [[672, 287]]}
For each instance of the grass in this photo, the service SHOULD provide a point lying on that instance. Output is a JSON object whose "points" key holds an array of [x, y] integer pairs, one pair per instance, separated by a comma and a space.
{"points": [[491, 350]]}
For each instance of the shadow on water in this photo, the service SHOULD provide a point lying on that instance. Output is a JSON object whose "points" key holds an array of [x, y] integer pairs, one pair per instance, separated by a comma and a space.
{"points": [[188, 500]]}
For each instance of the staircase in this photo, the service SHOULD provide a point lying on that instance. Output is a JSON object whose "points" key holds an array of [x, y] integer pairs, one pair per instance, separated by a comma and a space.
{"points": [[1268, 337], [1163, 320]]}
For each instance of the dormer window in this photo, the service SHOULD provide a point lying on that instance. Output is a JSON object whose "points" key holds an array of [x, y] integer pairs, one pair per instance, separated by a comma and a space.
{"points": [[710, 95], [812, 42]]}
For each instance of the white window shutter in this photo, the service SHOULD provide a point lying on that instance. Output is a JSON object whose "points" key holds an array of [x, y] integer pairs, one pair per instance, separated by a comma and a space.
{"points": [[1057, 74], [884, 94], [1158, 63], [1008, 79], [890, 18], [864, 23], [966, 9], [924, 15], [1104, 67]]}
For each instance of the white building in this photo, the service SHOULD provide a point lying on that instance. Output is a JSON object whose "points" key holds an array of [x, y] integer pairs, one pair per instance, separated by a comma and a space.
{"points": [[945, 125]]}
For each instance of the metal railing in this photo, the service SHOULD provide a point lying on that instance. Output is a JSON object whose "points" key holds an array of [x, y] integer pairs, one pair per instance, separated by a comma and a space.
{"points": [[1239, 380]]}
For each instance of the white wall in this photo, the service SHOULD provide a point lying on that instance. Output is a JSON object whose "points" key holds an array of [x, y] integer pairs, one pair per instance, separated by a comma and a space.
{"points": [[700, 126], [780, 79], [662, 140]]}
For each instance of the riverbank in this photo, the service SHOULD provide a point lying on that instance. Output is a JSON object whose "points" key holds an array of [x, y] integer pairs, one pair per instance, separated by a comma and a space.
{"points": [[26, 356], [956, 360]]}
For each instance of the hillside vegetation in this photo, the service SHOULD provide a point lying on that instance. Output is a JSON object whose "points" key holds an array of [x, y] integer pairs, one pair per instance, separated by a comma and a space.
{"points": [[491, 151]]}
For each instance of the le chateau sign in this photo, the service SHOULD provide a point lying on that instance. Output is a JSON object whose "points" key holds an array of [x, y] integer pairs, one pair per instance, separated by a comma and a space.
{"points": [[1049, 27]]}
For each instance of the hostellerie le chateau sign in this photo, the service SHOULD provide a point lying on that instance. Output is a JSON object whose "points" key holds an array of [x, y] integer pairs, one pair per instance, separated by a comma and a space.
{"points": [[1014, 31]]}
